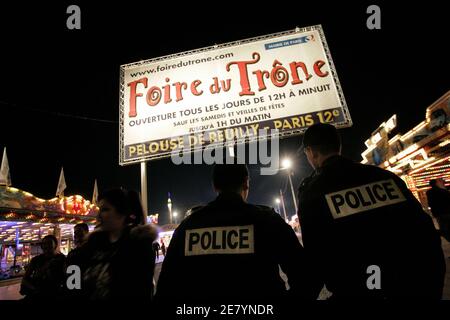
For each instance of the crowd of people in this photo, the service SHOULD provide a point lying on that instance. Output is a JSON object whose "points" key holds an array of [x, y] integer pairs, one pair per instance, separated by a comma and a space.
{"points": [[358, 223], [116, 260]]}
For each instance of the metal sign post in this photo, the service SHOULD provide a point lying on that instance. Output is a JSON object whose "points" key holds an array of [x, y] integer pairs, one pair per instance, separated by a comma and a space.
{"points": [[144, 197]]}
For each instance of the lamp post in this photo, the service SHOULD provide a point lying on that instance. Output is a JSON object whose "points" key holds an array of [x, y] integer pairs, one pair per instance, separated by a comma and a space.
{"points": [[169, 206], [278, 201], [175, 215], [287, 164], [284, 207]]}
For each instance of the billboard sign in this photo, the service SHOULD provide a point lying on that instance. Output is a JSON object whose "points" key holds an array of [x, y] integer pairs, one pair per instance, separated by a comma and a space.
{"points": [[284, 81]]}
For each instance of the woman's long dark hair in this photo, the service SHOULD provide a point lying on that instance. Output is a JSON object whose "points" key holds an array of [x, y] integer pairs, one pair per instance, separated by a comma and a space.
{"points": [[127, 203]]}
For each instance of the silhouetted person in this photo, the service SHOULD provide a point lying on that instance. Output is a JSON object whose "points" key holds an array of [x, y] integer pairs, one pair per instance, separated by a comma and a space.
{"points": [[75, 257], [80, 234], [365, 232], [232, 249], [44, 277], [439, 202], [163, 248], [120, 259], [156, 248]]}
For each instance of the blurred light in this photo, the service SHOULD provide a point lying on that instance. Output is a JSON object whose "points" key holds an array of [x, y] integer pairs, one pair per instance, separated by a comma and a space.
{"points": [[286, 163]]}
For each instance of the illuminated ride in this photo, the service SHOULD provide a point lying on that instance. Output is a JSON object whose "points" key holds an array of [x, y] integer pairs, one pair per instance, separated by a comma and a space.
{"points": [[420, 155]]}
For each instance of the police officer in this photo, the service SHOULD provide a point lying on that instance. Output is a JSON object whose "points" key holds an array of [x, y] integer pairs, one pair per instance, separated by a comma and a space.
{"points": [[232, 249], [365, 232]]}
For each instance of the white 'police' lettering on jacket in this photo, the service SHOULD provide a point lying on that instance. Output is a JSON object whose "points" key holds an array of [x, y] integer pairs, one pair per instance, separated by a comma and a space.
{"points": [[362, 198], [219, 240]]}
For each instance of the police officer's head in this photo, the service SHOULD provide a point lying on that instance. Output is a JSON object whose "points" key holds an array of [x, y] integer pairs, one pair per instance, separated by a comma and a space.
{"points": [[231, 178], [440, 183], [320, 142]]}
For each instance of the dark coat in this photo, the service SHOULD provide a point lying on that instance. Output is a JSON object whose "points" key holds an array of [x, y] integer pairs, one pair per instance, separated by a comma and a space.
{"points": [[120, 270], [46, 275], [439, 201], [354, 216], [231, 249]]}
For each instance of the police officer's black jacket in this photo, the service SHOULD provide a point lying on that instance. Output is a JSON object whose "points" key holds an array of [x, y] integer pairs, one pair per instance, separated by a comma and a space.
{"points": [[232, 249], [354, 216], [439, 201]]}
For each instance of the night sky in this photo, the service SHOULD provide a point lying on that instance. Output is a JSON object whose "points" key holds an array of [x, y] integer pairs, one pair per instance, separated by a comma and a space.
{"points": [[52, 77]]}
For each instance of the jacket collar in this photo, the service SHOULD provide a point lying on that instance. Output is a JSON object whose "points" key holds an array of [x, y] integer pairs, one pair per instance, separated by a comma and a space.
{"points": [[330, 161], [229, 197]]}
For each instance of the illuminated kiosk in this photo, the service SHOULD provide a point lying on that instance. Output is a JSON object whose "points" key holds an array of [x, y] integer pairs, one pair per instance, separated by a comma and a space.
{"points": [[25, 219], [420, 155], [165, 233]]}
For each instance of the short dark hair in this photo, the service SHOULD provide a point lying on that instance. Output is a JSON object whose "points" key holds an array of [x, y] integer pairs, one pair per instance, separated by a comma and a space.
{"points": [[50, 237], [83, 226], [126, 202], [433, 182], [323, 138], [326, 148], [229, 177]]}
